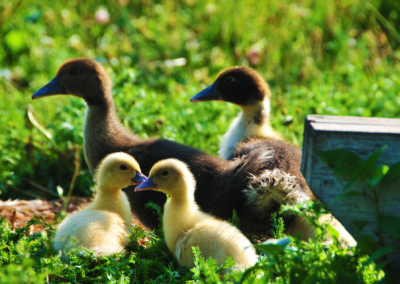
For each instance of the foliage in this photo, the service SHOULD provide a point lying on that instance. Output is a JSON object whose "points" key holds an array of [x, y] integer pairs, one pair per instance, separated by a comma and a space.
{"points": [[375, 180], [235, 220], [323, 57], [278, 225], [28, 258], [207, 271]]}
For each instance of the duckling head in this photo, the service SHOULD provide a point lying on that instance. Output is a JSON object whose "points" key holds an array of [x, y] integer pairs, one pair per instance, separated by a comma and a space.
{"points": [[118, 170], [170, 176], [239, 85], [81, 77]]}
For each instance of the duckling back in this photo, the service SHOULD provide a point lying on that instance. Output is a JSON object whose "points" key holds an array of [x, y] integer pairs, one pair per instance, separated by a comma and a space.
{"points": [[216, 239], [103, 231]]}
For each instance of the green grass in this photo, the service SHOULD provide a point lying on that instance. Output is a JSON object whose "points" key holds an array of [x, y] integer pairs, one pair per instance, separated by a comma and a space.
{"points": [[319, 57], [31, 259], [324, 57]]}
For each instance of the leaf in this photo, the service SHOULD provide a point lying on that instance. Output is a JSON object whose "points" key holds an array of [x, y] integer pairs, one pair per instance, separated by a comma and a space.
{"points": [[235, 220], [15, 40], [367, 244], [333, 232], [343, 162], [60, 191], [392, 174], [373, 158], [33, 120], [255, 268], [278, 225], [229, 262], [381, 252], [357, 226], [350, 183], [391, 224], [270, 249], [376, 175], [347, 195], [273, 247]]}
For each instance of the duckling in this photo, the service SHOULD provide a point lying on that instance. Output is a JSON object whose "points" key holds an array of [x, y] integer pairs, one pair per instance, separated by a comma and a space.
{"points": [[185, 225], [244, 87], [222, 186], [251, 131], [103, 224]]}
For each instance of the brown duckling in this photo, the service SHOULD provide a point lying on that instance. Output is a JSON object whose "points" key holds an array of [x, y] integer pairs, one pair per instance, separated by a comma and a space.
{"points": [[251, 132], [103, 225], [222, 186], [186, 226]]}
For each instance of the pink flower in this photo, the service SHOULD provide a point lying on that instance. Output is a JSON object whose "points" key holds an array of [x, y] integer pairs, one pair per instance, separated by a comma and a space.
{"points": [[252, 56], [101, 16]]}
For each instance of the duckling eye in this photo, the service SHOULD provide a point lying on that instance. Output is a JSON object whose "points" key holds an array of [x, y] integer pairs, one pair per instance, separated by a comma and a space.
{"points": [[229, 80], [123, 167], [74, 72], [165, 173]]}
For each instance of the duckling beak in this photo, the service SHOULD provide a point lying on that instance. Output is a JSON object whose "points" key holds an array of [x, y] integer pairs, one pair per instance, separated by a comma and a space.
{"points": [[139, 178], [208, 94], [147, 185], [52, 88]]}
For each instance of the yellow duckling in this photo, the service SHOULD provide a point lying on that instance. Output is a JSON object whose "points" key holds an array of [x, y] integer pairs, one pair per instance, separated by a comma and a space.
{"points": [[103, 225], [186, 226]]}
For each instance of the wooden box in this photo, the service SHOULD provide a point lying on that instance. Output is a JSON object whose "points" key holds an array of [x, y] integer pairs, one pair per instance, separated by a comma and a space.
{"points": [[363, 136]]}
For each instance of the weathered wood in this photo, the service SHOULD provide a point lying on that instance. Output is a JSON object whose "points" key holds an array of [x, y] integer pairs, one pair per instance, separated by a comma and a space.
{"points": [[362, 136]]}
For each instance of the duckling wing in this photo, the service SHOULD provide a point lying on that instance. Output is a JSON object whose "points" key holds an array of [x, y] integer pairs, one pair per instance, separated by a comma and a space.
{"points": [[216, 239], [102, 231]]}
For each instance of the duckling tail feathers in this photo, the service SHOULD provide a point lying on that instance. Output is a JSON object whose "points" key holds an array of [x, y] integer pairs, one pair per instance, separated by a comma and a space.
{"points": [[271, 188], [268, 187]]}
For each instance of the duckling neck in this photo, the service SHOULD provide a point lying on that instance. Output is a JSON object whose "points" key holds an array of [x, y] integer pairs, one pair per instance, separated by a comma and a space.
{"points": [[103, 132], [180, 214], [253, 120], [114, 201]]}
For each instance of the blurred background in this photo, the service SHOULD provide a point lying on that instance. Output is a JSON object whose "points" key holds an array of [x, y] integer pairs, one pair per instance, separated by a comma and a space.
{"points": [[334, 57]]}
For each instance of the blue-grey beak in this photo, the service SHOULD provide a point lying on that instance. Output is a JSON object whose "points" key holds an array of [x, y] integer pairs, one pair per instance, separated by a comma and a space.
{"points": [[139, 178], [147, 185], [208, 94], [52, 88]]}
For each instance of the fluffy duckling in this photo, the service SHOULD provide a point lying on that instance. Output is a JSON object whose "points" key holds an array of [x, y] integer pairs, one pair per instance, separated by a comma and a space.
{"points": [[186, 226], [251, 132], [244, 87], [222, 186], [103, 225]]}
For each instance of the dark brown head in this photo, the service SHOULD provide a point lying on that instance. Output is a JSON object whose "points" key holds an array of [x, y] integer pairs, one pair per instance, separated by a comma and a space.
{"points": [[239, 85], [81, 77]]}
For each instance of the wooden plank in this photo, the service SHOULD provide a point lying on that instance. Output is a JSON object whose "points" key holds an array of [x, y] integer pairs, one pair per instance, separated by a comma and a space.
{"points": [[352, 120], [362, 136], [367, 128]]}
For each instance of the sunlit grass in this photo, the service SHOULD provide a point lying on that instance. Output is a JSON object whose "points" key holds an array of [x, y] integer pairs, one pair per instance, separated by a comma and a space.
{"points": [[324, 57], [319, 57]]}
